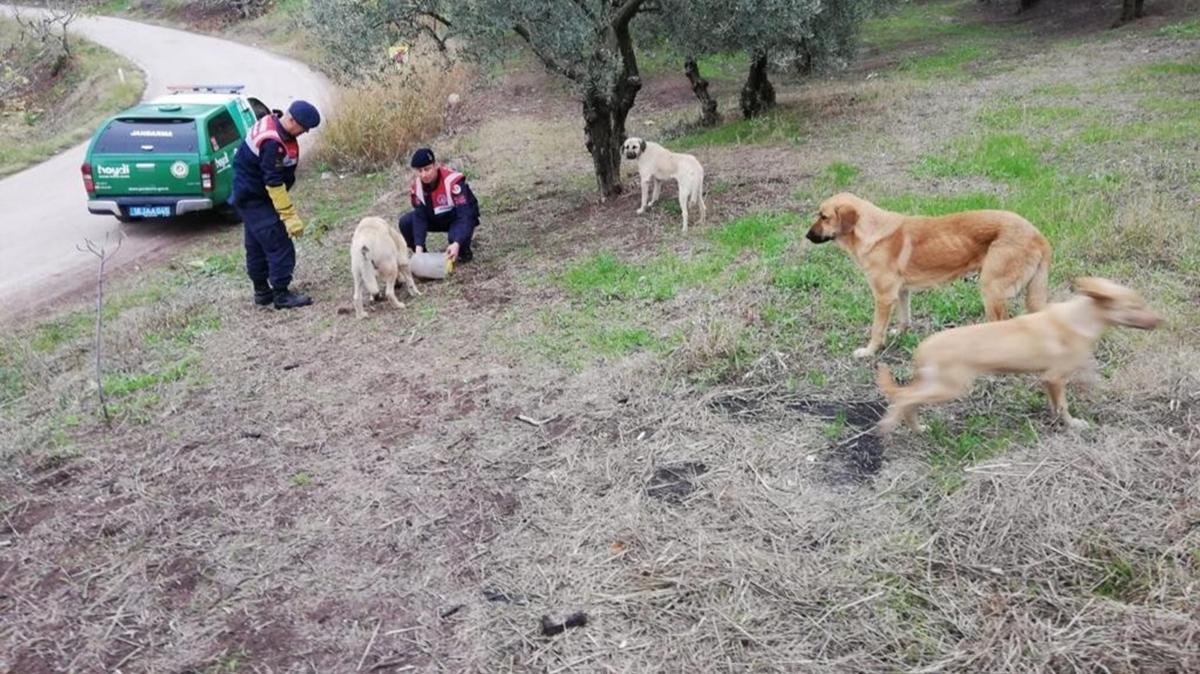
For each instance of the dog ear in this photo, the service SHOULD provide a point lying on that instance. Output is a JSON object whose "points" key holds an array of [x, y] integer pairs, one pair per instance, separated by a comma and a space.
{"points": [[642, 146], [1096, 288], [847, 218]]}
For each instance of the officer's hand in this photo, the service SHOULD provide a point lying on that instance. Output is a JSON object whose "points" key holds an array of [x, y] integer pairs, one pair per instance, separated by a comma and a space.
{"points": [[294, 225], [452, 251]]}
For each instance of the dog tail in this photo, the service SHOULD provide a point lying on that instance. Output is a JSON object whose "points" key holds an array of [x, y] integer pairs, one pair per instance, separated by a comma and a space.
{"points": [[368, 277], [1038, 288], [883, 377]]}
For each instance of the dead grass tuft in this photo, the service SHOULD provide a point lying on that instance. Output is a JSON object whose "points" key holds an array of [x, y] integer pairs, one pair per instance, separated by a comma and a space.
{"points": [[379, 123]]}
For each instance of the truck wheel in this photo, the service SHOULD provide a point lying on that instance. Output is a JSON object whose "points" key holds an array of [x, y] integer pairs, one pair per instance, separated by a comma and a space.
{"points": [[228, 214]]}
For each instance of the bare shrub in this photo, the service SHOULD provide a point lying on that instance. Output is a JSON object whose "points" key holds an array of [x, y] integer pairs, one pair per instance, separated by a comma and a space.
{"points": [[378, 123]]}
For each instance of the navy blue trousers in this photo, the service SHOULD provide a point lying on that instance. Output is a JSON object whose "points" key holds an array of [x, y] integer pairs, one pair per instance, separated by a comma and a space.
{"points": [[462, 234], [270, 253]]}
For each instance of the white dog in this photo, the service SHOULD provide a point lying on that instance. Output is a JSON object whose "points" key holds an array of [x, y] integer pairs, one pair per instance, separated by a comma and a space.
{"points": [[378, 253], [656, 164]]}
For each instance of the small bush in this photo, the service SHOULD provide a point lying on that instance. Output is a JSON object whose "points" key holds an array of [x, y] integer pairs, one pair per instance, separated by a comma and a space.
{"points": [[377, 123]]}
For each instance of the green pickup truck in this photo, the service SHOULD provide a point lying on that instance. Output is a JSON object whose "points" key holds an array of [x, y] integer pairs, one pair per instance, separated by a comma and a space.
{"points": [[170, 155]]}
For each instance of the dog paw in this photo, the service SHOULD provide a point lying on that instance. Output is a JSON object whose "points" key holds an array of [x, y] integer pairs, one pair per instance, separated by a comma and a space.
{"points": [[898, 330], [640, 211], [864, 352]]}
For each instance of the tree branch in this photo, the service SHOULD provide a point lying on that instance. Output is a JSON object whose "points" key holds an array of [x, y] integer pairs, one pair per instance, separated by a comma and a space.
{"points": [[440, 19], [566, 71], [626, 12]]}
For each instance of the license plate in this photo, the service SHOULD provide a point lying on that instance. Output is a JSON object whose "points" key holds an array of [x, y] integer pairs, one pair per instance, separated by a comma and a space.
{"points": [[150, 211]]}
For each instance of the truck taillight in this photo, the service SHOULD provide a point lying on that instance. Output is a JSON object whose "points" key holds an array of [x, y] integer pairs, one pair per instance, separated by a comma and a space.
{"points": [[206, 177], [88, 183]]}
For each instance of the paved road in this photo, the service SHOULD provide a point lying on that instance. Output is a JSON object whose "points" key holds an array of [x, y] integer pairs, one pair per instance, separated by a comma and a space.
{"points": [[43, 211]]}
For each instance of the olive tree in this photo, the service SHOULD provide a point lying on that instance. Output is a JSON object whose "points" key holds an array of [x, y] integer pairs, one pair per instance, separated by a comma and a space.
{"points": [[811, 34], [587, 42]]}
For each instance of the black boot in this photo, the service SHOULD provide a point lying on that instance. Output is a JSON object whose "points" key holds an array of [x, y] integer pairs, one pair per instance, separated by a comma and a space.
{"points": [[263, 295], [286, 299]]}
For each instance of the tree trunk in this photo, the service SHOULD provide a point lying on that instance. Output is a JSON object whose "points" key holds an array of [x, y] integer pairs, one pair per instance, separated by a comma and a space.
{"points": [[708, 105], [602, 142], [604, 113], [757, 94], [1027, 4], [1130, 10]]}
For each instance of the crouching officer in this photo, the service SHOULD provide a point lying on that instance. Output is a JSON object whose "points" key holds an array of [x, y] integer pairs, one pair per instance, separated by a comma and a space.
{"points": [[442, 202], [264, 169]]}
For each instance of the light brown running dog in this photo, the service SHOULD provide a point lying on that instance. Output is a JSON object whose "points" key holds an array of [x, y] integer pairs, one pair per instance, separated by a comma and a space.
{"points": [[1053, 343], [378, 253], [900, 253]]}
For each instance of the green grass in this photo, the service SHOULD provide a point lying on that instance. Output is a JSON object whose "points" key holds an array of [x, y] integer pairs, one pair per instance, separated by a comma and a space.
{"points": [[12, 375], [841, 175], [1057, 90], [606, 314], [664, 59], [188, 333], [777, 126], [112, 6], [301, 479], [49, 336], [70, 110], [999, 156], [1186, 69], [602, 277], [123, 384], [231, 263], [1181, 29], [1008, 117], [976, 438], [950, 62], [1060, 204], [576, 336], [340, 202], [932, 22]]}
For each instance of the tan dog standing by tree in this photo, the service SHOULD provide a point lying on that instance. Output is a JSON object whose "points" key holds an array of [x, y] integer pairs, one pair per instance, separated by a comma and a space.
{"points": [[1053, 343], [900, 253]]}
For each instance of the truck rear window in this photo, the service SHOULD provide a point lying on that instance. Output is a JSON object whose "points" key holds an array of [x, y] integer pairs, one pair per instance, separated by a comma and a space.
{"points": [[148, 135]]}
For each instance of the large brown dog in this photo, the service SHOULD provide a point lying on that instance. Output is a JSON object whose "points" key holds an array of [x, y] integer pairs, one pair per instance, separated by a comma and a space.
{"points": [[900, 253], [1053, 343]]}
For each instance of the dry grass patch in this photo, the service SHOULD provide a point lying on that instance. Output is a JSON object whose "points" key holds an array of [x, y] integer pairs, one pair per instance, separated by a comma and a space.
{"points": [[381, 122]]}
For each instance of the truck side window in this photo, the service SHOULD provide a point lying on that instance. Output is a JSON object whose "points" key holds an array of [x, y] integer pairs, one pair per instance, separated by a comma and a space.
{"points": [[222, 130]]}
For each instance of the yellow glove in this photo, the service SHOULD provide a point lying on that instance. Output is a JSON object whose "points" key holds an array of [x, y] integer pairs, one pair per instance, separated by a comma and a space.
{"points": [[287, 211], [294, 226]]}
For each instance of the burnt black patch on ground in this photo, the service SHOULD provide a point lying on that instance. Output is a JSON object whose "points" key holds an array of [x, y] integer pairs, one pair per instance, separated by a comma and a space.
{"points": [[673, 483]]}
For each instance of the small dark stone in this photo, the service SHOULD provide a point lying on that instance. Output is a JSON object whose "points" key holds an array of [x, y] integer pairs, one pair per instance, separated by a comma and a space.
{"points": [[577, 619], [496, 595], [551, 628]]}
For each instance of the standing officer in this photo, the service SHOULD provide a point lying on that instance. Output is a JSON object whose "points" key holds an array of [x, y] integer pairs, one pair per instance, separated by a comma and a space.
{"points": [[264, 169], [442, 202]]}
